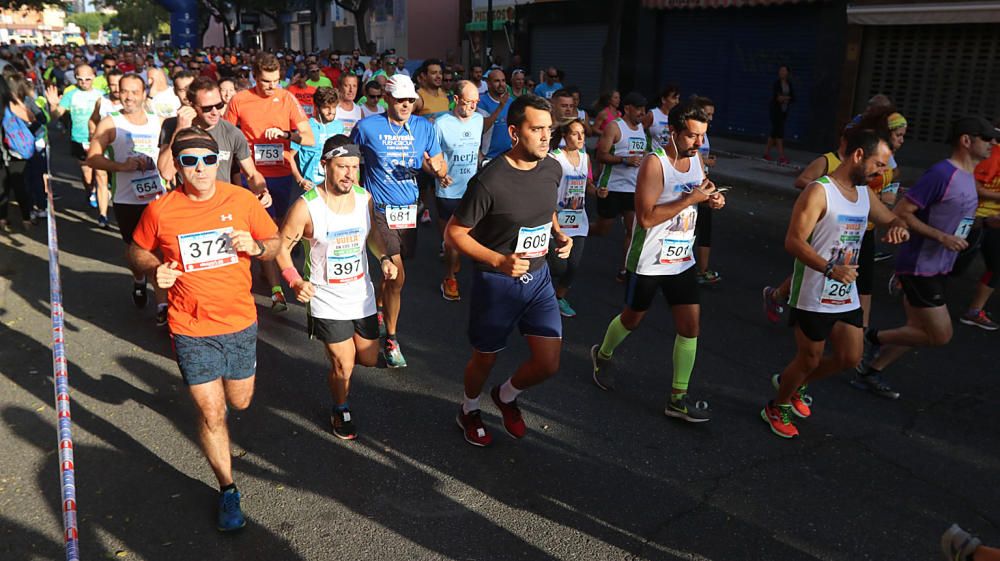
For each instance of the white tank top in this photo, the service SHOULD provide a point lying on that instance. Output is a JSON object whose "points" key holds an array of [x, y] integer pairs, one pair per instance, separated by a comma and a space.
{"points": [[337, 259], [135, 187], [348, 118], [668, 248], [659, 129], [573, 194], [837, 236], [621, 177]]}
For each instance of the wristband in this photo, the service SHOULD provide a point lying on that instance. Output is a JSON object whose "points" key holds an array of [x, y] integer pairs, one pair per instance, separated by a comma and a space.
{"points": [[260, 244], [829, 270], [291, 275], [384, 258]]}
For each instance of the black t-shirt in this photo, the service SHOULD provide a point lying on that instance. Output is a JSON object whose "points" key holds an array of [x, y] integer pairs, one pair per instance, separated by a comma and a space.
{"points": [[503, 204]]}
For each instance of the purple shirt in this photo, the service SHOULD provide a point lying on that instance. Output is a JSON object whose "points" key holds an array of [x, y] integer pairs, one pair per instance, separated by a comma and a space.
{"points": [[946, 198]]}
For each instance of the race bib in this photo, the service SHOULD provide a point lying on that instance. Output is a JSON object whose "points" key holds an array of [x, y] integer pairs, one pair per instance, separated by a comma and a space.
{"points": [[145, 144], [570, 219], [891, 189], [268, 154], [835, 293], [533, 242], [636, 146], [576, 187], [964, 227], [401, 217], [675, 250], [146, 188], [344, 253], [210, 249]]}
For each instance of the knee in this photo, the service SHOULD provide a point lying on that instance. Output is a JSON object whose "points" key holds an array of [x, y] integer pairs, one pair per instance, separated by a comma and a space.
{"points": [[548, 365], [848, 359], [810, 360], [342, 370], [240, 403], [939, 338], [215, 418]]}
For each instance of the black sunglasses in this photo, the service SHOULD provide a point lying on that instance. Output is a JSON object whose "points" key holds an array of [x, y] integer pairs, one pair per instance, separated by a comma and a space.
{"points": [[220, 106], [553, 75]]}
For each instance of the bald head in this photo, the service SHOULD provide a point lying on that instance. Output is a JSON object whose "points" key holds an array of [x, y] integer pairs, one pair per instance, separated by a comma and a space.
{"points": [[84, 76], [157, 79], [497, 83], [467, 100], [466, 89]]}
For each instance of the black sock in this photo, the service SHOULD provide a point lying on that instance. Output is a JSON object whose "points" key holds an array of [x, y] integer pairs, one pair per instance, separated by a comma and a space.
{"points": [[871, 371], [390, 337], [872, 336], [225, 488]]}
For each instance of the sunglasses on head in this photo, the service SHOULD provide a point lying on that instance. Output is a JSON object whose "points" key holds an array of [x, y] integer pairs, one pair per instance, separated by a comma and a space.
{"points": [[83, 78], [190, 160], [219, 106]]}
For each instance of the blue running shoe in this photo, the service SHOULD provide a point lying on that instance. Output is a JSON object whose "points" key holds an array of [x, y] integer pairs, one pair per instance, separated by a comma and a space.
{"points": [[230, 515]]}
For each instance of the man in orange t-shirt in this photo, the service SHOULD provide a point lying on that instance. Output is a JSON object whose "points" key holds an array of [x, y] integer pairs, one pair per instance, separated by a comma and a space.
{"points": [[303, 93], [207, 231], [271, 118], [987, 175]]}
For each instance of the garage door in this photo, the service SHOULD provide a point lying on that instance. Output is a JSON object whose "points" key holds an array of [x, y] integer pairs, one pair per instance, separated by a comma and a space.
{"points": [[574, 49]]}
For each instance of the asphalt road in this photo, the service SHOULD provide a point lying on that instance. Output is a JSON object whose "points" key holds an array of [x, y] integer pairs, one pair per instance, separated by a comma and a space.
{"points": [[599, 476]]}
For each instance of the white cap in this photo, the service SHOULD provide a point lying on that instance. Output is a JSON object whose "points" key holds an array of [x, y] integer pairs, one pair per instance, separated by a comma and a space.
{"points": [[400, 86]]}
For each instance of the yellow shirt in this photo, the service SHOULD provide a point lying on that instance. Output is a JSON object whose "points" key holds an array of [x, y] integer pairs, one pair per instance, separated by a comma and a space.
{"points": [[988, 174], [433, 104]]}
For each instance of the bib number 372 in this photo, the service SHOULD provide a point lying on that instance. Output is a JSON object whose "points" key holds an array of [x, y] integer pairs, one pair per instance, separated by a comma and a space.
{"points": [[210, 249], [533, 242]]}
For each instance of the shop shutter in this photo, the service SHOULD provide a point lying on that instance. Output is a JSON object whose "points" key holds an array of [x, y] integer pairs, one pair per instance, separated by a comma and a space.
{"points": [[577, 50]]}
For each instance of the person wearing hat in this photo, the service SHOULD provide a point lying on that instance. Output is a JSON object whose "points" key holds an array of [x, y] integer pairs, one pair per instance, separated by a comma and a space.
{"points": [[988, 214], [335, 219], [396, 145], [940, 210], [621, 148]]}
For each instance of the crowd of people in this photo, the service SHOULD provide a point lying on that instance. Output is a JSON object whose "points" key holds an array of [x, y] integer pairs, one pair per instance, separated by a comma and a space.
{"points": [[212, 160]]}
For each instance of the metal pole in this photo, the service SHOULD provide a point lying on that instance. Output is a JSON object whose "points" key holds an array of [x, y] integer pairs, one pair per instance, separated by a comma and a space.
{"points": [[488, 49]]}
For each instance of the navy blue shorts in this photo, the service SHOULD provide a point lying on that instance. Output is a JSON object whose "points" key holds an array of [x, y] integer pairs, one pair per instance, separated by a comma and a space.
{"points": [[500, 302], [232, 356], [280, 189], [446, 207]]}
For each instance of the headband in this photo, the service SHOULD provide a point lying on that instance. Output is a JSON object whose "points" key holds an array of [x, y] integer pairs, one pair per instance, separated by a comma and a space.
{"points": [[896, 121], [347, 150], [208, 143]]}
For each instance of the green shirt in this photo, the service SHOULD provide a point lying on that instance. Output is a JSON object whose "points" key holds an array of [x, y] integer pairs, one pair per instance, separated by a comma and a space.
{"points": [[323, 82]]}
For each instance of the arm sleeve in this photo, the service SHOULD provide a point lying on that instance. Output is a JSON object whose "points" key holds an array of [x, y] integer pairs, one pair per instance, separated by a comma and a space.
{"points": [[475, 204], [928, 189], [145, 234]]}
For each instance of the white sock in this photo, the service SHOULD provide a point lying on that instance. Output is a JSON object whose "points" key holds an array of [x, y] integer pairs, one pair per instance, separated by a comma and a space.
{"points": [[508, 392], [470, 404]]}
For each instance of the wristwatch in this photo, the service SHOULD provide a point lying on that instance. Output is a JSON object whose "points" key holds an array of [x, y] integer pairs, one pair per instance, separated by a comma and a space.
{"points": [[384, 258], [829, 269], [260, 244]]}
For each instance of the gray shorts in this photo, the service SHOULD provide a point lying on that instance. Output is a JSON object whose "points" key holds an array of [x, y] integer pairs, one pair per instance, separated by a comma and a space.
{"points": [[232, 356]]}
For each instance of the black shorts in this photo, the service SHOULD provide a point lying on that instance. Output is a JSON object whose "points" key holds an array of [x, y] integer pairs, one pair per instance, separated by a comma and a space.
{"points": [[679, 290], [816, 326], [446, 207], [425, 181], [866, 264], [336, 330], [397, 242], [924, 292], [703, 226], [127, 217], [616, 203], [78, 151]]}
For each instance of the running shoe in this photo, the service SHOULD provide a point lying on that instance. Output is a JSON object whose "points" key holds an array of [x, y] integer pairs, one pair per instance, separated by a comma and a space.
{"points": [[343, 424], [471, 424], [102, 221], [768, 157], [980, 319], [620, 277], [278, 303], [869, 355], [93, 199], [604, 374], [894, 285], [230, 514], [779, 419], [882, 256], [784, 161], [874, 383], [684, 408], [139, 294], [801, 401], [392, 355], [449, 290], [441, 251], [709, 277], [959, 545], [772, 307], [513, 423], [381, 325], [425, 216], [565, 310], [161, 316]]}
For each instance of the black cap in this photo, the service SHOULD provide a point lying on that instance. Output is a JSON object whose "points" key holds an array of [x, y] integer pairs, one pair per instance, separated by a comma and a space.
{"points": [[635, 99], [974, 126]]}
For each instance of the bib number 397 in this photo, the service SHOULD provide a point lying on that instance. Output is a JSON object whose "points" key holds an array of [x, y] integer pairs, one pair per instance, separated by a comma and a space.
{"points": [[210, 249], [401, 217], [345, 250], [533, 242]]}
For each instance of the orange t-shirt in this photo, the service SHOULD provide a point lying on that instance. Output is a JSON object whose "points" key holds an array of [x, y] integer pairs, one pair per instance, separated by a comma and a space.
{"points": [[304, 95], [254, 114], [213, 296], [988, 173]]}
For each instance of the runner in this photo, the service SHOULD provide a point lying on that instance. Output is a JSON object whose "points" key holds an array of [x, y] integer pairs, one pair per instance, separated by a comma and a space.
{"points": [[988, 217], [79, 102], [335, 220], [162, 99], [825, 237], [303, 93], [548, 83], [394, 146], [517, 86], [656, 121], [432, 103], [307, 167], [504, 222], [104, 107], [621, 149], [494, 107], [940, 210], [207, 232], [271, 119], [459, 135], [129, 138], [316, 79], [348, 112], [670, 186], [373, 104], [576, 183], [476, 76], [703, 228]]}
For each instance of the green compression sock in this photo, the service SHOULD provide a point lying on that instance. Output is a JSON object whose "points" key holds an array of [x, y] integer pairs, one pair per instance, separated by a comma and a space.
{"points": [[615, 335], [684, 353]]}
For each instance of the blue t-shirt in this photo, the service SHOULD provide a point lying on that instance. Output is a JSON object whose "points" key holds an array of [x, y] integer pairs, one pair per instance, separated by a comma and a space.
{"points": [[546, 90], [392, 156], [460, 143], [499, 138], [308, 156]]}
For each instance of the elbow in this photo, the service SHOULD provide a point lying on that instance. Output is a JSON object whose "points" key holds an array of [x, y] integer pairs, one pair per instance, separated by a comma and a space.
{"points": [[644, 221]]}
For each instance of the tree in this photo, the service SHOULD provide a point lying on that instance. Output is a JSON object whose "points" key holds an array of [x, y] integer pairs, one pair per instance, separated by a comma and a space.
{"points": [[138, 18], [91, 22], [360, 10]]}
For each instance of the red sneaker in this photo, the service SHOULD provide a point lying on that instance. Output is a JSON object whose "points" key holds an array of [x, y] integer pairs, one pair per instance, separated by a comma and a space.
{"points": [[801, 401], [779, 419], [513, 423], [471, 424]]}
